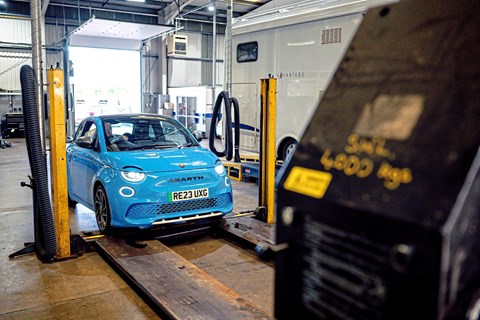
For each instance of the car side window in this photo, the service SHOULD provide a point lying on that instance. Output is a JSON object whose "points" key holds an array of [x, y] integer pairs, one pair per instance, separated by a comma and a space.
{"points": [[89, 130], [79, 131]]}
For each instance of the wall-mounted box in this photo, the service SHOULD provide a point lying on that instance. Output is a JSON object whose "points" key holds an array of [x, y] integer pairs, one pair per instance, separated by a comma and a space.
{"points": [[177, 45]]}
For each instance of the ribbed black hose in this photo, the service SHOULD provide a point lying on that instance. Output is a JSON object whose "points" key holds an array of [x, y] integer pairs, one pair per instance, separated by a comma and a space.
{"points": [[45, 239], [236, 144], [223, 97], [227, 153]]}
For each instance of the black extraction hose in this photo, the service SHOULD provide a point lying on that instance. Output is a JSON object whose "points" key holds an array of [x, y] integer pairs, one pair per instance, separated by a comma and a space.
{"points": [[236, 144], [228, 102], [45, 239], [227, 153]]}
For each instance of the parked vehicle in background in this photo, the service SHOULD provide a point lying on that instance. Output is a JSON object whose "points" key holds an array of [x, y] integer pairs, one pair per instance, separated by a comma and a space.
{"points": [[142, 170], [301, 45]]}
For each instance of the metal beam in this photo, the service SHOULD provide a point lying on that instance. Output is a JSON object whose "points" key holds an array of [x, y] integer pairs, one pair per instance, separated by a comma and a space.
{"points": [[173, 10], [255, 4], [268, 118], [37, 61], [58, 160], [45, 6]]}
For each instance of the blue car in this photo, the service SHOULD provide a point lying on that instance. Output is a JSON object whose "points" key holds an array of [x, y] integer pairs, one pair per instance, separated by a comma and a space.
{"points": [[142, 170]]}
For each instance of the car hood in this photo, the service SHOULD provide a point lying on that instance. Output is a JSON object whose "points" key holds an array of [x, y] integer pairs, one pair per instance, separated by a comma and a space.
{"points": [[162, 160]]}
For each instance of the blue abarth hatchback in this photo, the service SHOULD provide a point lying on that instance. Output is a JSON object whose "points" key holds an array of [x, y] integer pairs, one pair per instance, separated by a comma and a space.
{"points": [[142, 170]]}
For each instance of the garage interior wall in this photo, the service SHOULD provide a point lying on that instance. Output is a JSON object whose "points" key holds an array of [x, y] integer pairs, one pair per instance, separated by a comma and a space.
{"points": [[153, 56], [193, 69], [15, 37], [16, 49], [15, 52]]}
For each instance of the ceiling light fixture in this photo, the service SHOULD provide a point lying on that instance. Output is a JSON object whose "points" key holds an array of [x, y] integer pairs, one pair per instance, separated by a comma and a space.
{"points": [[2, 3], [211, 8]]}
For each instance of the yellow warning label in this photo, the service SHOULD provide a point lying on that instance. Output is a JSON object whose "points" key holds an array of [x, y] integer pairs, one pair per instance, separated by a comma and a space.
{"points": [[308, 182]]}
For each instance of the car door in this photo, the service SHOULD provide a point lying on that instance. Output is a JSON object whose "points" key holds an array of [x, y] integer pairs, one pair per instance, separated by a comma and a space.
{"points": [[84, 163]]}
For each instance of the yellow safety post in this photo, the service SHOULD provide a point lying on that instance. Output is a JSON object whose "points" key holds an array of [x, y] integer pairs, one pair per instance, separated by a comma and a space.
{"points": [[58, 162], [268, 93]]}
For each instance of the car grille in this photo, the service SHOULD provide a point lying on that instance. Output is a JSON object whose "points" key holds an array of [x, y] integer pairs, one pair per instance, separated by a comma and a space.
{"points": [[146, 210], [344, 275]]}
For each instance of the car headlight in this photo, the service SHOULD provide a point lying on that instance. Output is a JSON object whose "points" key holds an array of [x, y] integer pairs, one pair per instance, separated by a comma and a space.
{"points": [[132, 176], [219, 168]]}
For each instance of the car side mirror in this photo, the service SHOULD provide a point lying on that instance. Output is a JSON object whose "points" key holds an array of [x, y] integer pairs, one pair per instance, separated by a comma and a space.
{"points": [[198, 136], [84, 142]]}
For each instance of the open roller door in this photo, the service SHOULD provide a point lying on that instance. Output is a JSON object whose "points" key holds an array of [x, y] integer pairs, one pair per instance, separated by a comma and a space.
{"points": [[107, 62]]}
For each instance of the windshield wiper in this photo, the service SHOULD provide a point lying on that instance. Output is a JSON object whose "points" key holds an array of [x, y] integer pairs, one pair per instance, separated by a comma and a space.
{"points": [[152, 146], [142, 147], [186, 145]]}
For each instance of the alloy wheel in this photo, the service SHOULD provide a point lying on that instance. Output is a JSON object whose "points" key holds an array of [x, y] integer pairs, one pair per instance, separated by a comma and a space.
{"points": [[102, 210]]}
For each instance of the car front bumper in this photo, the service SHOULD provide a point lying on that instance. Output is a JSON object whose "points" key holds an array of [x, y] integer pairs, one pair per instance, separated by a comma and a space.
{"points": [[149, 202]]}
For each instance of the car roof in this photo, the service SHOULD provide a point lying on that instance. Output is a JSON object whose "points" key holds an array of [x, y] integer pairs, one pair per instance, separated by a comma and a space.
{"points": [[134, 115]]}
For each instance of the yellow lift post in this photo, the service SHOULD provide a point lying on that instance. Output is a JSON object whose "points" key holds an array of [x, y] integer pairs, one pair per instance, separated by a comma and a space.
{"points": [[268, 95], [58, 158]]}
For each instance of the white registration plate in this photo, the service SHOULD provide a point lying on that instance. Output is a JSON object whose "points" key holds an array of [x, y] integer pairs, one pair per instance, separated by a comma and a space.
{"points": [[188, 194]]}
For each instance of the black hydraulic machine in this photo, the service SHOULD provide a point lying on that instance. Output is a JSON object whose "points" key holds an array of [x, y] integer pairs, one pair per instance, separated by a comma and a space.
{"points": [[379, 209]]}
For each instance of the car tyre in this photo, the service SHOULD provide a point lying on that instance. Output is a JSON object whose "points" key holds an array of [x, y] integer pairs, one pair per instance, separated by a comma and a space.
{"points": [[102, 210], [289, 149]]}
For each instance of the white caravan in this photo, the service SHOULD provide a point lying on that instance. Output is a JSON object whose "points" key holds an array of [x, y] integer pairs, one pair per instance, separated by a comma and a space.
{"points": [[299, 44]]}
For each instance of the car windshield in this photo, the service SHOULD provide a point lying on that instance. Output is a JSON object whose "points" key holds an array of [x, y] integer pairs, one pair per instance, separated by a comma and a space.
{"points": [[141, 132]]}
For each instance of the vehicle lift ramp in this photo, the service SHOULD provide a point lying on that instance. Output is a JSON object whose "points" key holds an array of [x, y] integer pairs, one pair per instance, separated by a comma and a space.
{"points": [[175, 285], [172, 283]]}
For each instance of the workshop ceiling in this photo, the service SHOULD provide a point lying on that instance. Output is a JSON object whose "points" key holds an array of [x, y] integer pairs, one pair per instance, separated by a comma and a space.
{"points": [[149, 11]]}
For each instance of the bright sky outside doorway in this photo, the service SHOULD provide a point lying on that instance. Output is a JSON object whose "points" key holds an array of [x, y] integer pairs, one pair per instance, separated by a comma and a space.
{"points": [[105, 81]]}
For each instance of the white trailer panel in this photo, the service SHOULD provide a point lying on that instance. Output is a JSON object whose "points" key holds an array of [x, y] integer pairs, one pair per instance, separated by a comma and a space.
{"points": [[301, 45]]}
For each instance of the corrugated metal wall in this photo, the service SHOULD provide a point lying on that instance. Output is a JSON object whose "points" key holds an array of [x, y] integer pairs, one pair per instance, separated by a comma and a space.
{"points": [[184, 73], [152, 52], [195, 69], [14, 33], [15, 30], [15, 40], [10, 64], [54, 40]]}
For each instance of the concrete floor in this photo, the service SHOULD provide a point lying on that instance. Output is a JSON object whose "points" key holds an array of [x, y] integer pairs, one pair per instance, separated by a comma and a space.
{"points": [[85, 287], [80, 288]]}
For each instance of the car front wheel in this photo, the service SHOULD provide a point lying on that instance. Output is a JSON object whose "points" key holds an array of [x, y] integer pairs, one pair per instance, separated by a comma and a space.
{"points": [[102, 210]]}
